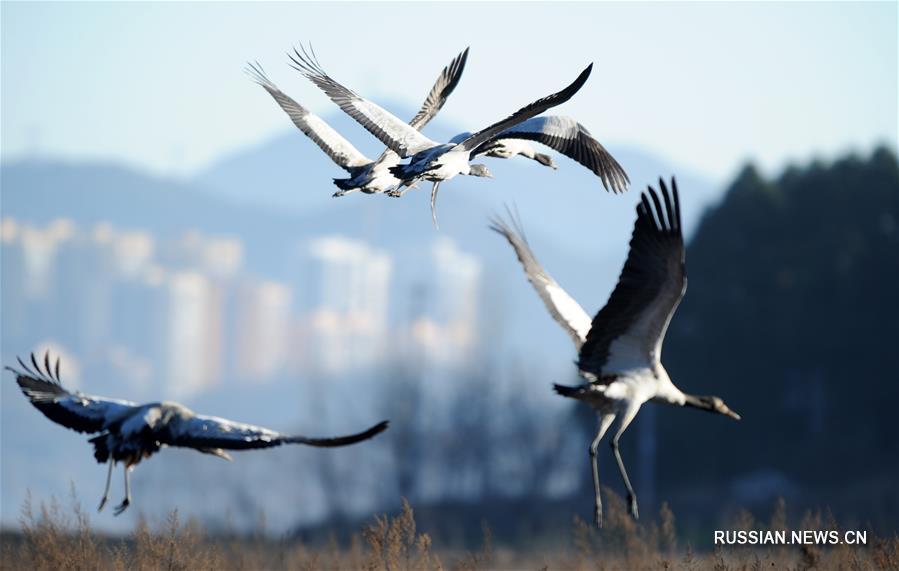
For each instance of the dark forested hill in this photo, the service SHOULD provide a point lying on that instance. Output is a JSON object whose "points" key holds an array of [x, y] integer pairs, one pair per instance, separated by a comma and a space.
{"points": [[792, 316]]}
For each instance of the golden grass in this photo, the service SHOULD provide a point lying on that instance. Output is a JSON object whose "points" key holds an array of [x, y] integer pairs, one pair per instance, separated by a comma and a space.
{"points": [[54, 538]]}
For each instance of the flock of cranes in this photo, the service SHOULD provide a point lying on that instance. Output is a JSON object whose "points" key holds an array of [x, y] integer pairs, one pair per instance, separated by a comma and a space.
{"points": [[619, 350], [430, 160]]}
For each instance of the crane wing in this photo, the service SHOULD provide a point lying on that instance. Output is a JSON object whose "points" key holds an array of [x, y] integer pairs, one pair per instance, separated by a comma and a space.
{"points": [[402, 138], [80, 412], [628, 332], [446, 83], [526, 112], [330, 141], [210, 432], [561, 306], [573, 140], [444, 86]]}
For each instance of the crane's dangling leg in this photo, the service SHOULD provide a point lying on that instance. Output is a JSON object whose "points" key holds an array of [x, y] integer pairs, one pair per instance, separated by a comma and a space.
{"points": [[127, 501], [401, 189], [604, 422], [434, 203], [106, 489], [626, 419]]}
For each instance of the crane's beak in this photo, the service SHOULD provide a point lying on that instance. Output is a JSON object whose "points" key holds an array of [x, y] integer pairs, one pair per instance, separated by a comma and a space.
{"points": [[731, 413], [722, 408]]}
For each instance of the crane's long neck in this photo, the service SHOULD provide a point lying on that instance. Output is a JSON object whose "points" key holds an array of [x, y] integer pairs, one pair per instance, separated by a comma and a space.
{"points": [[665, 390], [700, 402], [711, 404]]}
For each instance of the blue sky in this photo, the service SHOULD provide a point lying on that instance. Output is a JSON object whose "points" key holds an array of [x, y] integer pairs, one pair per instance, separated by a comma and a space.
{"points": [[707, 85]]}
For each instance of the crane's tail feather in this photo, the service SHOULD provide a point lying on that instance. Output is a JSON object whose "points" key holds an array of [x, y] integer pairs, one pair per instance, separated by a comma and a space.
{"points": [[101, 449], [344, 183], [566, 391], [399, 171], [340, 440]]}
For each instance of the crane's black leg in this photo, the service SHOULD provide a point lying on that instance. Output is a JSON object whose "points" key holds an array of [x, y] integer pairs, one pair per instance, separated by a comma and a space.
{"points": [[106, 489], [399, 191], [127, 501], [603, 425], [631, 496]]}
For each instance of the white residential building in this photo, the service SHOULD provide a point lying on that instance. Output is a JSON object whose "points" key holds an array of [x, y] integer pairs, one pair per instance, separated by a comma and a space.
{"points": [[345, 286]]}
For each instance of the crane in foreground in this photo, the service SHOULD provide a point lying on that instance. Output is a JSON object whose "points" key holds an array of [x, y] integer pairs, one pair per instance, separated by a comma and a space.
{"points": [[620, 349], [130, 432]]}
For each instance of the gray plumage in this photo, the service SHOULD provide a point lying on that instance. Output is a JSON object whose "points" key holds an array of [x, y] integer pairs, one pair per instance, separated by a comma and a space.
{"points": [[561, 306], [368, 176], [567, 136], [130, 432], [386, 127], [335, 145], [430, 160]]}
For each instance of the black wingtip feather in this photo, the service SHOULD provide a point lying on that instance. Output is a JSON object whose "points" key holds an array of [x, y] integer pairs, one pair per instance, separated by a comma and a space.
{"points": [[36, 373], [580, 81], [659, 214], [24, 366], [645, 216], [454, 71], [665, 218], [676, 203], [565, 390], [669, 211], [340, 440]]}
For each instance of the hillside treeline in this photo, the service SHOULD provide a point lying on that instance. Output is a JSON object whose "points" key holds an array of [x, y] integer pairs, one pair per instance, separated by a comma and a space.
{"points": [[792, 316]]}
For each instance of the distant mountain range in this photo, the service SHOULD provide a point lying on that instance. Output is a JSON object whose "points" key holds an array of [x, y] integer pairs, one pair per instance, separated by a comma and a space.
{"points": [[278, 194]]}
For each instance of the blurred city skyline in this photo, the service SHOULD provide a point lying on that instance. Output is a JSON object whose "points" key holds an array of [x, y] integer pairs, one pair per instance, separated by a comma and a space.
{"points": [[173, 318], [708, 85]]}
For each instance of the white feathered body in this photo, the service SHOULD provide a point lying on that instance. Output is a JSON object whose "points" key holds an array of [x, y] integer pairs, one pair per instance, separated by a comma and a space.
{"points": [[439, 163], [374, 178], [630, 388]]}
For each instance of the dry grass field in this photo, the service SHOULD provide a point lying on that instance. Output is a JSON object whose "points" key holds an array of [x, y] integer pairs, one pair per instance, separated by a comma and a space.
{"points": [[60, 537]]}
